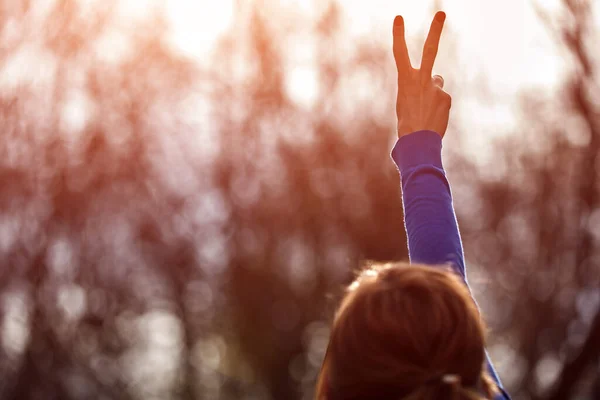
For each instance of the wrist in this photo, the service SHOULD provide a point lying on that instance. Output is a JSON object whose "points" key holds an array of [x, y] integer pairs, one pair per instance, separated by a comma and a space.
{"points": [[403, 131], [418, 148]]}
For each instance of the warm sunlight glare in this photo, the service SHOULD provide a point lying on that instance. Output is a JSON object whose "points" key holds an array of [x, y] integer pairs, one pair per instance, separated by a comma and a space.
{"points": [[196, 24], [137, 9], [503, 43]]}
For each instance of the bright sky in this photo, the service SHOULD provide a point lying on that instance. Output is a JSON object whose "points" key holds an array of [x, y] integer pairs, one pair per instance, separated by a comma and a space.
{"points": [[502, 38], [502, 41]]}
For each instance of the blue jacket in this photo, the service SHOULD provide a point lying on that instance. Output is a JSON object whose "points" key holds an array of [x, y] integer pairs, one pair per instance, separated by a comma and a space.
{"points": [[429, 218]]}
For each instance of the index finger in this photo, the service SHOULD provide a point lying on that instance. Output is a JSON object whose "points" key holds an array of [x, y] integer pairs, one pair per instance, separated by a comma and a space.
{"points": [[431, 45], [399, 45]]}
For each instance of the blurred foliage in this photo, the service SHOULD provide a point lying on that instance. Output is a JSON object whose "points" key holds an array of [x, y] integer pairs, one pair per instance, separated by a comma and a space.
{"points": [[531, 221], [180, 228]]}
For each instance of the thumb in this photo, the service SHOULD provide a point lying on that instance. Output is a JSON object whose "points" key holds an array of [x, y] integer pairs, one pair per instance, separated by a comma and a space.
{"points": [[438, 81]]}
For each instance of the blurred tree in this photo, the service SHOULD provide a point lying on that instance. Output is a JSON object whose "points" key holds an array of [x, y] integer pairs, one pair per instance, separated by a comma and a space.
{"points": [[536, 229], [179, 229]]}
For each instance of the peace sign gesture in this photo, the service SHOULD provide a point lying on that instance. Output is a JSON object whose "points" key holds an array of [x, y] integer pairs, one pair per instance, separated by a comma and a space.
{"points": [[422, 103]]}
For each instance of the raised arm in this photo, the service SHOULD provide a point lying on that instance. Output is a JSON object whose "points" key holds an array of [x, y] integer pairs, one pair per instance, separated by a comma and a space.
{"points": [[423, 110], [431, 227]]}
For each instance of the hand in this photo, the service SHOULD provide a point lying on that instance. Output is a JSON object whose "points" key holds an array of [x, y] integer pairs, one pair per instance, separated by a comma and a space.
{"points": [[422, 103]]}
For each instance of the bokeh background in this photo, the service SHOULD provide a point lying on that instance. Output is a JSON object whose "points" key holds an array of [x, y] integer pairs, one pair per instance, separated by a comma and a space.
{"points": [[186, 187]]}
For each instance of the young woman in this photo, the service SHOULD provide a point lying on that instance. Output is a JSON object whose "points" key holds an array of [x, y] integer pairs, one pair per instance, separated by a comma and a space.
{"points": [[414, 331]]}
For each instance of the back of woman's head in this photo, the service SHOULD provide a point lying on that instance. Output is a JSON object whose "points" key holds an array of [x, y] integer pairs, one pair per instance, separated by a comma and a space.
{"points": [[406, 332]]}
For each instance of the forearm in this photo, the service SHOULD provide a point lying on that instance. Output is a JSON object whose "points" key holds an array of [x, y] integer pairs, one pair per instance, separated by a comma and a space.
{"points": [[430, 221]]}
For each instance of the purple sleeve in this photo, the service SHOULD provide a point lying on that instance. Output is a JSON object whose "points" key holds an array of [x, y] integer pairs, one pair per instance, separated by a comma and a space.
{"points": [[431, 227], [429, 218]]}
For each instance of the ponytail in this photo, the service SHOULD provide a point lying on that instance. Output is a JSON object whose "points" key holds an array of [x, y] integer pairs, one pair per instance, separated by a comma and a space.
{"points": [[449, 387]]}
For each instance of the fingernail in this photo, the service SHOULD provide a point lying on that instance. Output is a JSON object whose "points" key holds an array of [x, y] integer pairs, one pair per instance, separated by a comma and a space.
{"points": [[441, 16], [398, 20]]}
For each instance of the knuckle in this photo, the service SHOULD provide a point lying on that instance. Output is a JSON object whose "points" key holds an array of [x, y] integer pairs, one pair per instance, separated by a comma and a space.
{"points": [[448, 100], [445, 98]]}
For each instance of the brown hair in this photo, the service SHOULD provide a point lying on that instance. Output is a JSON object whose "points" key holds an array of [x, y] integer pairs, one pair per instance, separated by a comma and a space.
{"points": [[406, 332]]}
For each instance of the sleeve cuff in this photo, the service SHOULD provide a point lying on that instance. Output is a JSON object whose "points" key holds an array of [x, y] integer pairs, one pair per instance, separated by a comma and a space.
{"points": [[418, 148]]}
